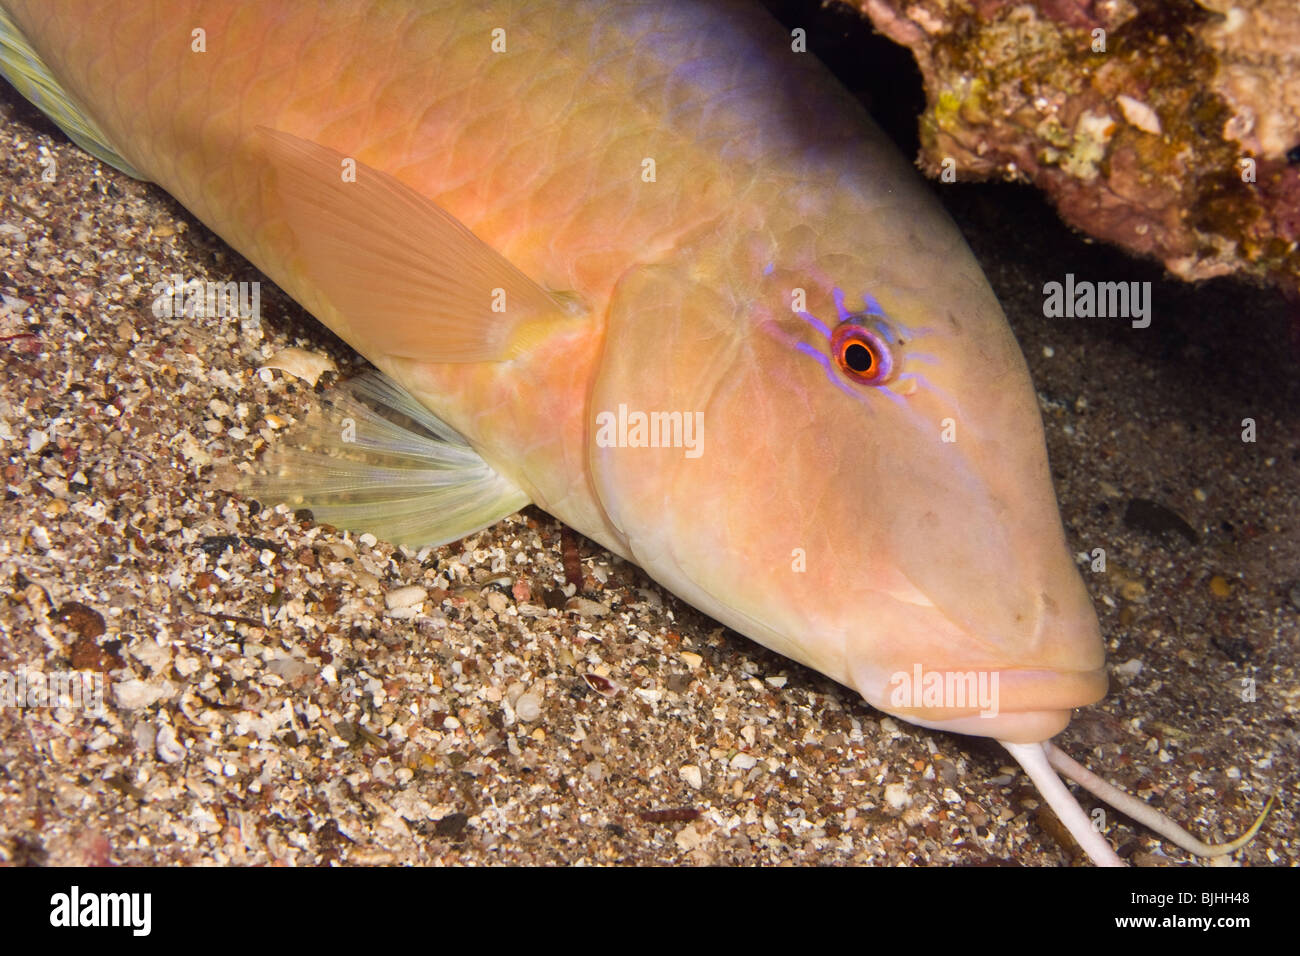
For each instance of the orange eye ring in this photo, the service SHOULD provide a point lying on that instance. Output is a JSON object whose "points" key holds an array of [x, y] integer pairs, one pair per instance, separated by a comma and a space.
{"points": [[861, 354]]}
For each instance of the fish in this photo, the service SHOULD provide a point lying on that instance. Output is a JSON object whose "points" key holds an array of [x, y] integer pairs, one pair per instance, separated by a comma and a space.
{"points": [[616, 270]]}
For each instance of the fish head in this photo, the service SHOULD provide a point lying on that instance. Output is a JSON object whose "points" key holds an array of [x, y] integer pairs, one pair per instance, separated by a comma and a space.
{"points": [[864, 487]]}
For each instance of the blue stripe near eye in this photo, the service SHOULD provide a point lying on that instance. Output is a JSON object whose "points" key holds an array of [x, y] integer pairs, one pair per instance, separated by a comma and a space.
{"points": [[892, 331], [870, 306], [815, 322], [893, 396], [838, 294], [873, 307], [825, 363]]}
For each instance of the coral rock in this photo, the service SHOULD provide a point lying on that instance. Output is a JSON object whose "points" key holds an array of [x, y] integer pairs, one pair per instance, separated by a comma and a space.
{"points": [[1169, 128]]}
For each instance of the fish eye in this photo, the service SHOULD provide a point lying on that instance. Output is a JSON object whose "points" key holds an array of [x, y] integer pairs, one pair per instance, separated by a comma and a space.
{"points": [[861, 354]]}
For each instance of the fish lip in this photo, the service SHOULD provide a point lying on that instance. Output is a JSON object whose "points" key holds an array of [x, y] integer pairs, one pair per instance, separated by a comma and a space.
{"points": [[1050, 689], [1028, 704], [1017, 727]]}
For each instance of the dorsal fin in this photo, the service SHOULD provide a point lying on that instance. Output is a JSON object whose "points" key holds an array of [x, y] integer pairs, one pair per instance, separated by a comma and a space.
{"points": [[405, 274]]}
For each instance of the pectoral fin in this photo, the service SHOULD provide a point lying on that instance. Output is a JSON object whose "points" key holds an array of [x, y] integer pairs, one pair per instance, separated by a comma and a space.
{"points": [[403, 273], [377, 460]]}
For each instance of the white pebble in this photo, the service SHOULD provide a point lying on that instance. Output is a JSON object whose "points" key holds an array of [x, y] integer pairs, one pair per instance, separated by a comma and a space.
{"points": [[144, 735], [170, 750], [135, 694], [896, 795], [528, 707], [688, 838], [308, 366], [409, 596], [587, 608], [1129, 669], [691, 774], [1139, 114]]}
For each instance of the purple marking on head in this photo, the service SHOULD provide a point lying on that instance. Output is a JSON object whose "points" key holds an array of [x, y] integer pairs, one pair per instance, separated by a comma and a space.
{"points": [[769, 268], [838, 294], [825, 362], [815, 322], [892, 332], [912, 333], [893, 396], [895, 332], [872, 305]]}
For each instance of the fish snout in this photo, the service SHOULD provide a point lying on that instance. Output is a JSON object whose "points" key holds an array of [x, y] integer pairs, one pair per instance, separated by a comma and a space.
{"points": [[1021, 706], [938, 675]]}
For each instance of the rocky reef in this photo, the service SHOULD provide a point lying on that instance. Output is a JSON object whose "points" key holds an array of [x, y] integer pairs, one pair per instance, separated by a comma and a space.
{"points": [[1169, 127]]}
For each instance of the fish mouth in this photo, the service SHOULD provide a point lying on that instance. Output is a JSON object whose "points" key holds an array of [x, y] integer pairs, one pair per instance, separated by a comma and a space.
{"points": [[1020, 705]]}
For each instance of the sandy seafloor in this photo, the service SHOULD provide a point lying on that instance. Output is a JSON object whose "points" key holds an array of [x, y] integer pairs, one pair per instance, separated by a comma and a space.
{"points": [[268, 710]]}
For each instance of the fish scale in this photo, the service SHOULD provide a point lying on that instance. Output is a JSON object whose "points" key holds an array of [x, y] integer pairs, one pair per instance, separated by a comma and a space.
{"points": [[678, 213]]}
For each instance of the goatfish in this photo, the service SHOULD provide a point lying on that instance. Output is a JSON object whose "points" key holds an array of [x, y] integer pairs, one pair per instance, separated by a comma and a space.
{"points": [[650, 267]]}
